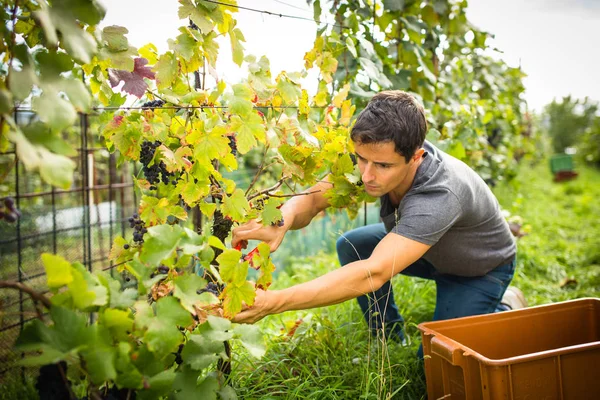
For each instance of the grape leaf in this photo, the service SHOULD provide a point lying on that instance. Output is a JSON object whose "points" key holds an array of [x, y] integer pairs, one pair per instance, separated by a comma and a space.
{"points": [[166, 70], [237, 49], [134, 80], [198, 17], [193, 192], [115, 39], [118, 322], [200, 353], [240, 101], [235, 206], [58, 270], [288, 91], [127, 374], [232, 270], [233, 297], [118, 253], [248, 131], [162, 241], [186, 287], [271, 213], [251, 339], [262, 260], [54, 110], [119, 298], [208, 209]]}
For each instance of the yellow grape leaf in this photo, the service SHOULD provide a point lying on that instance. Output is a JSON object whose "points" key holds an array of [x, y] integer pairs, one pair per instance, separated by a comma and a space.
{"points": [[118, 253], [347, 112], [234, 296], [150, 53], [177, 160], [341, 96], [303, 107], [58, 270], [208, 209]]}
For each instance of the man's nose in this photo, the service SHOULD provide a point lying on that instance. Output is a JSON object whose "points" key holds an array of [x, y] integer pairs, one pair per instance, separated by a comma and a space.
{"points": [[367, 175]]}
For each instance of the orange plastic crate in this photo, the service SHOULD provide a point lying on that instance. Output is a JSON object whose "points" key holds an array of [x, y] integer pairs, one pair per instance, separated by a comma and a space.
{"points": [[545, 352]]}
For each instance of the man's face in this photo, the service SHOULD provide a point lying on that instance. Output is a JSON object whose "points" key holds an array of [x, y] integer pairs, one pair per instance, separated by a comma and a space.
{"points": [[383, 170]]}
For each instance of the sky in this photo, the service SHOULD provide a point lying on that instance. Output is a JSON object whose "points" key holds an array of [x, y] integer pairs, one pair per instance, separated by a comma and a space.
{"points": [[554, 41]]}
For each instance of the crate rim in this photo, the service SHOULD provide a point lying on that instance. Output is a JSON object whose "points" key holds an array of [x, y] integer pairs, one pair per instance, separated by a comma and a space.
{"points": [[425, 329]]}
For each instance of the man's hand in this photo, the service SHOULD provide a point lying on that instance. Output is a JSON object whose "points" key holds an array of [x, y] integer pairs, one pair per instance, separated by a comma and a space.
{"points": [[260, 309], [254, 230]]}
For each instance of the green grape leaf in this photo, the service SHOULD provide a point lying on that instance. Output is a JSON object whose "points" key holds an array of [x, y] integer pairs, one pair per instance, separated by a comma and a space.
{"points": [[271, 213], [234, 296], [143, 315], [200, 351], [55, 169], [185, 44], [77, 93], [343, 165], [53, 110], [198, 17], [240, 101], [251, 338], [21, 82], [208, 209], [119, 298], [6, 101], [90, 284], [235, 206], [161, 243], [170, 310], [166, 70], [127, 374], [237, 49], [159, 385], [186, 287], [219, 324], [100, 363], [231, 269], [114, 37], [248, 131], [118, 322], [53, 63], [209, 145], [58, 270], [192, 192]]}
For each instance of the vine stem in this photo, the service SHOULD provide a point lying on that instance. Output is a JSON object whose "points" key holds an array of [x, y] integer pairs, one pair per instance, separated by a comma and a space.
{"points": [[35, 296], [260, 169]]}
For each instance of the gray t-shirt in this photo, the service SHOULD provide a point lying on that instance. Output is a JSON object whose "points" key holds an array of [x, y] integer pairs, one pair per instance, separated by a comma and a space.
{"points": [[451, 208]]}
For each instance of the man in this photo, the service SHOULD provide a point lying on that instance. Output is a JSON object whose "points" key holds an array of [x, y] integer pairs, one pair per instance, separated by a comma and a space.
{"points": [[440, 222]]}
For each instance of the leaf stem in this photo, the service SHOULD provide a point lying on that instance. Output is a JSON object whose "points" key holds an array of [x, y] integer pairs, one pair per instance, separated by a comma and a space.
{"points": [[260, 169]]}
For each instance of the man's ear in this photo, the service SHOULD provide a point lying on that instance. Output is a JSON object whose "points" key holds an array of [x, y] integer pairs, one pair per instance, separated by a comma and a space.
{"points": [[418, 154]]}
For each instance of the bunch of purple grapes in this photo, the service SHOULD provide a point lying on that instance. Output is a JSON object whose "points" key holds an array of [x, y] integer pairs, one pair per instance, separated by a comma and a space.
{"points": [[9, 212], [139, 229], [156, 172], [153, 104], [211, 287]]}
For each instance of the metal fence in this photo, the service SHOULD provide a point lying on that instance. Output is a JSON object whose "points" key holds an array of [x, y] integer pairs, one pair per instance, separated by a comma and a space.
{"points": [[81, 222], [78, 223]]}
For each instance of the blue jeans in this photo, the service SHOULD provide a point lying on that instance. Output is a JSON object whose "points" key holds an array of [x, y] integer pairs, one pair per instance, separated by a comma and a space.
{"points": [[457, 296]]}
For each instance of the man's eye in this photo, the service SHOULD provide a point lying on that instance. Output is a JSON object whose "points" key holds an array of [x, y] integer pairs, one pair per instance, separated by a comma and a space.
{"points": [[384, 166]]}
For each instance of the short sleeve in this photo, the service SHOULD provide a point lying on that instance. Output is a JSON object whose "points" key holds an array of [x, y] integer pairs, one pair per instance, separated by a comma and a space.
{"points": [[426, 217]]}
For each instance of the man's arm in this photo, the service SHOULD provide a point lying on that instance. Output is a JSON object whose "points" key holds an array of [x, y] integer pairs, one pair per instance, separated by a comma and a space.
{"points": [[297, 213], [393, 254]]}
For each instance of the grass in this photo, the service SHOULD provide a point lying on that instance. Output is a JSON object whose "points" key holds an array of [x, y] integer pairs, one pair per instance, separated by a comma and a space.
{"points": [[332, 356]]}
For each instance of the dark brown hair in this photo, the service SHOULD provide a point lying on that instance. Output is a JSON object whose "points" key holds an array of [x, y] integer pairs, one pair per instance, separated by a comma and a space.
{"points": [[392, 116]]}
